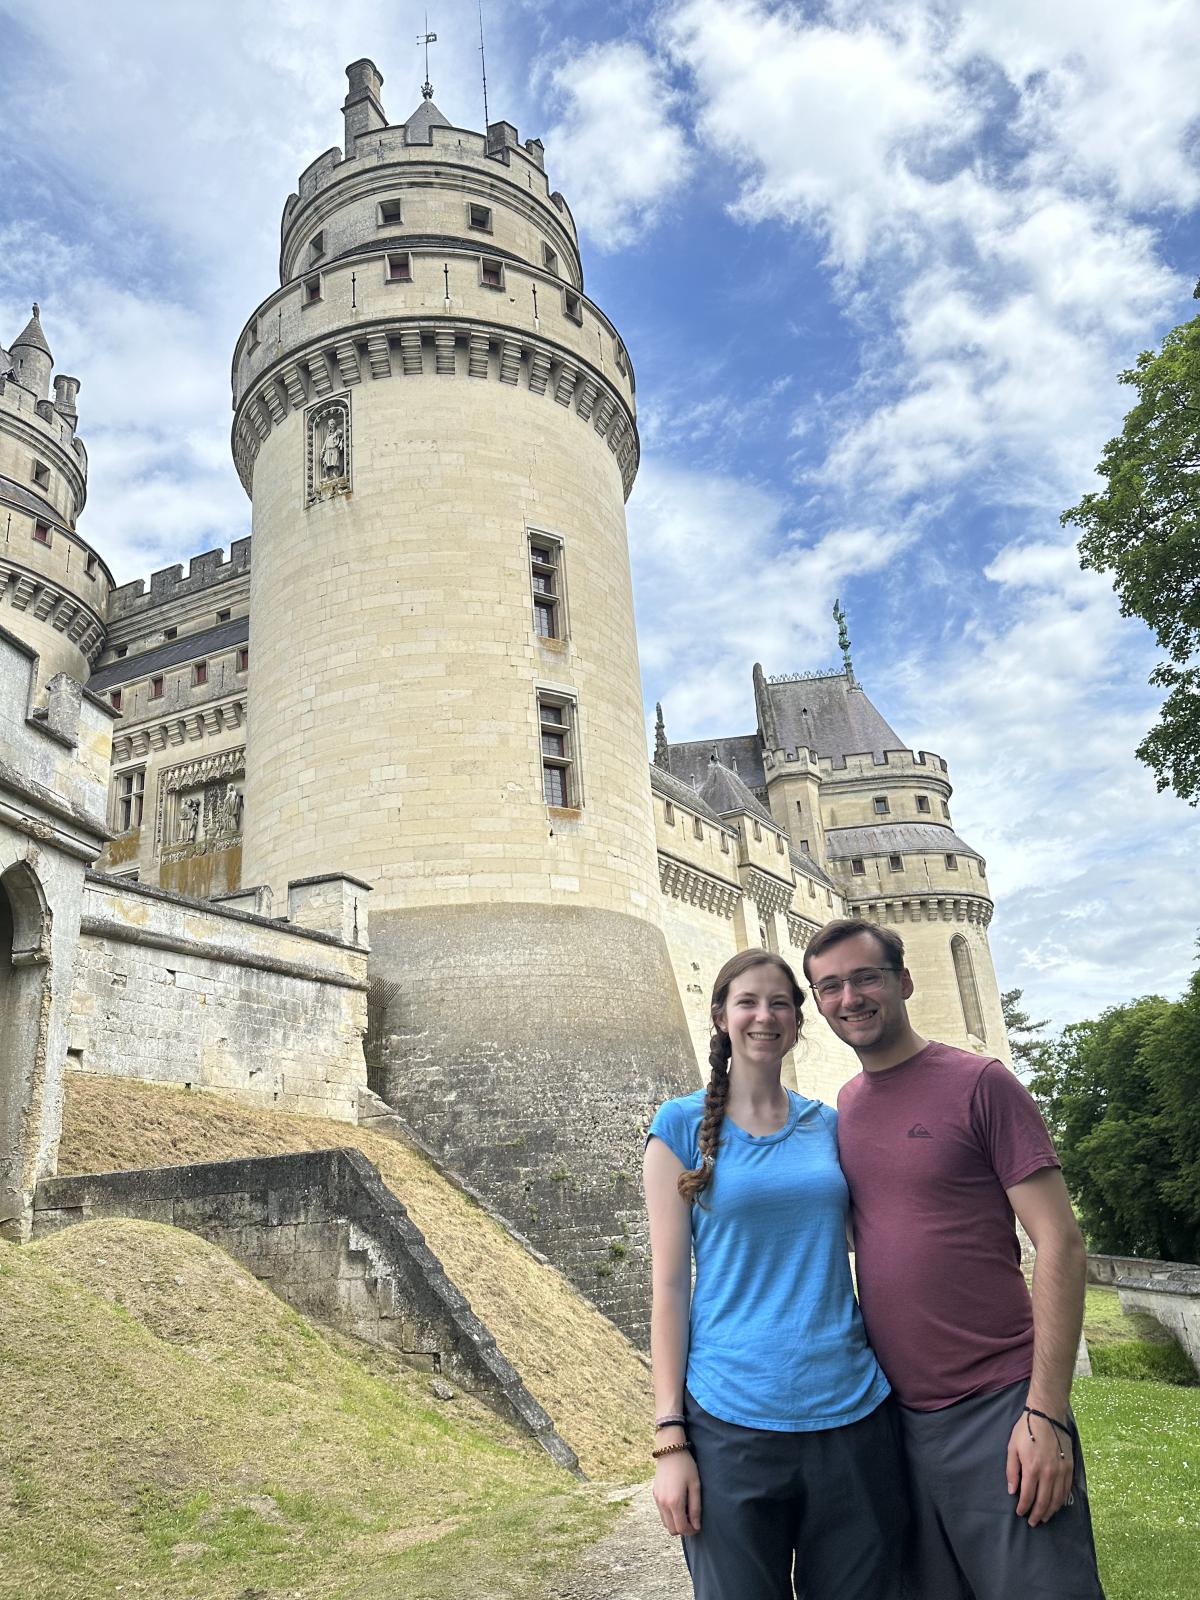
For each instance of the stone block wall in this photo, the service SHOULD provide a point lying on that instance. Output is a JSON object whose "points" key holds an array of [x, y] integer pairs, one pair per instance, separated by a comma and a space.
{"points": [[325, 1234], [173, 990]]}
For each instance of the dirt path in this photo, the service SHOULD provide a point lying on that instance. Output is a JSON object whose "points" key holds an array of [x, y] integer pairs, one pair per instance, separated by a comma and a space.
{"points": [[636, 1560]]}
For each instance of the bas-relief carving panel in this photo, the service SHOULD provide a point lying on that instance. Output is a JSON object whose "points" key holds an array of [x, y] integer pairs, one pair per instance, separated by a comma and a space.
{"points": [[327, 449], [200, 806]]}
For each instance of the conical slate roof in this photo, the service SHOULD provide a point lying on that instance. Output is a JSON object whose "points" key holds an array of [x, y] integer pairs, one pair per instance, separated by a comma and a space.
{"points": [[31, 336], [425, 117], [728, 796]]}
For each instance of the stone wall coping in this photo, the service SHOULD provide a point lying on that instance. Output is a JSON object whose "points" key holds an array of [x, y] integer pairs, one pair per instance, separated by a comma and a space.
{"points": [[328, 877], [1136, 1272], [123, 886]]}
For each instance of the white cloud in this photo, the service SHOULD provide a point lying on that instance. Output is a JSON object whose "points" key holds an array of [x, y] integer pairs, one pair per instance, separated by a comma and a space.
{"points": [[618, 151]]}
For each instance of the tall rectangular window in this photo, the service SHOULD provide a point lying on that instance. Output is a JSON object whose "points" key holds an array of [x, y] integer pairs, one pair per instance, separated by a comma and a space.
{"points": [[545, 571], [491, 272], [573, 306], [131, 790], [114, 696], [243, 658], [556, 730], [156, 687], [549, 259], [200, 673]]}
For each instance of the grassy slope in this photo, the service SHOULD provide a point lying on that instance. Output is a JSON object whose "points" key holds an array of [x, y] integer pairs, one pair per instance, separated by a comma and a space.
{"points": [[173, 1430], [585, 1373]]}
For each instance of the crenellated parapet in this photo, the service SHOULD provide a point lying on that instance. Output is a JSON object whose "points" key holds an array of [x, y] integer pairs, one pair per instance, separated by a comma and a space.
{"points": [[205, 572], [40, 451]]}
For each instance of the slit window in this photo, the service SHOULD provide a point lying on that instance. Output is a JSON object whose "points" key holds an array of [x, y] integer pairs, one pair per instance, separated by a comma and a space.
{"points": [[131, 790], [399, 266], [757, 829], [199, 674], [156, 687], [668, 814], [881, 806], [480, 217], [946, 811], [41, 533], [697, 827], [491, 272], [573, 307], [545, 572], [41, 474], [724, 842], [556, 730], [778, 844], [389, 213]]}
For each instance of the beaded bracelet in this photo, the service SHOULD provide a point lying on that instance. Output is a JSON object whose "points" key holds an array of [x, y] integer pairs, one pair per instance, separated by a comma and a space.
{"points": [[669, 1449]]}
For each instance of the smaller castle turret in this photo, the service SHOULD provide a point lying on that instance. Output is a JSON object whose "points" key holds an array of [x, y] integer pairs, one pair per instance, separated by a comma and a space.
{"points": [[32, 362]]}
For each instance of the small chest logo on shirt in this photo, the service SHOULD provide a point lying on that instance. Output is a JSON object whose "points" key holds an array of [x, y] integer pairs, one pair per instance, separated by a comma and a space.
{"points": [[919, 1131]]}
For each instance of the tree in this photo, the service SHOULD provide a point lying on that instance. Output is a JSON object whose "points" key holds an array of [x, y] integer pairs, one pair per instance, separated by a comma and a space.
{"points": [[1144, 528], [1121, 1095], [1024, 1037]]}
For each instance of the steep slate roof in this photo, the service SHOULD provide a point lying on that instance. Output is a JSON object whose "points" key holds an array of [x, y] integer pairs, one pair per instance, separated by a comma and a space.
{"points": [[894, 838], [31, 335], [192, 647], [728, 795], [742, 753], [808, 868], [832, 717], [682, 794], [426, 116]]}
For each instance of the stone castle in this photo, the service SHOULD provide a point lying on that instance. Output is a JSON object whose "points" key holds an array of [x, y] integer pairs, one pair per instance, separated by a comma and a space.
{"points": [[365, 804]]}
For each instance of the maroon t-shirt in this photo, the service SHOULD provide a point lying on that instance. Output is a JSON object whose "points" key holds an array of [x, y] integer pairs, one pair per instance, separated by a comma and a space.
{"points": [[928, 1148]]}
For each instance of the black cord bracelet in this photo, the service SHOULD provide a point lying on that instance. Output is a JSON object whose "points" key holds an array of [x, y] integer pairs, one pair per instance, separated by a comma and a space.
{"points": [[1059, 1427]]}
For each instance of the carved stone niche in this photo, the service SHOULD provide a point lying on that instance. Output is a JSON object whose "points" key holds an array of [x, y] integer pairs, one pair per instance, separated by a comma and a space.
{"points": [[200, 806], [327, 449]]}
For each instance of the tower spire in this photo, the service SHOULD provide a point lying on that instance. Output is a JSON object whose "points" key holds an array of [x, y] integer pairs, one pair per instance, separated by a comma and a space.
{"points": [[662, 752], [427, 39], [839, 616]]}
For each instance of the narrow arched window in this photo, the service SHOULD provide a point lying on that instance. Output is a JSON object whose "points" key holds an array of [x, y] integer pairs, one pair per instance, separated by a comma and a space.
{"points": [[968, 991]]}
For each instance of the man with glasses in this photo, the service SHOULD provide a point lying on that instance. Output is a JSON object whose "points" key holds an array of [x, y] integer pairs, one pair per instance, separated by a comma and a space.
{"points": [[940, 1148]]}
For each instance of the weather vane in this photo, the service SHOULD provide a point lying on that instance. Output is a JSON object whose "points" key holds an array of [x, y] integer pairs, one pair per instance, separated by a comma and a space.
{"points": [[427, 39]]}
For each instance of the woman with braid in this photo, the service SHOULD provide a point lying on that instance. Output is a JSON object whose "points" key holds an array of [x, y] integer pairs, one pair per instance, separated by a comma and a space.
{"points": [[776, 1453]]}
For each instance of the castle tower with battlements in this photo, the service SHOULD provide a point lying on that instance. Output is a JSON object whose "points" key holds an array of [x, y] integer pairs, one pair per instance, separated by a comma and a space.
{"points": [[53, 585], [437, 429]]}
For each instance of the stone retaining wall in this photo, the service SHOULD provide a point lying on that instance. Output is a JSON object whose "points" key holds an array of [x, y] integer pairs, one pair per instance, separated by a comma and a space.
{"points": [[324, 1232]]}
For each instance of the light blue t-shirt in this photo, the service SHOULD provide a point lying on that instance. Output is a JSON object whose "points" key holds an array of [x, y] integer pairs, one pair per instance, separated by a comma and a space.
{"points": [[776, 1337]]}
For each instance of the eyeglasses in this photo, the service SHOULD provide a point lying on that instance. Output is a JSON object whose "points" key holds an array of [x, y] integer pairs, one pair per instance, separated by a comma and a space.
{"points": [[864, 981]]}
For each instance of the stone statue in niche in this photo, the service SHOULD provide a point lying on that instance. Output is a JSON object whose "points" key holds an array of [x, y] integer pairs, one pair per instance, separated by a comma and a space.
{"points": [[333, 454], [227, 810], [188, 825], [327, 450]]}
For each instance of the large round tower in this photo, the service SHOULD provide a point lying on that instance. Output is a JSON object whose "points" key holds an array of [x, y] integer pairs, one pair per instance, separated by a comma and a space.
{"points": [[437, 430], [54, 585]]}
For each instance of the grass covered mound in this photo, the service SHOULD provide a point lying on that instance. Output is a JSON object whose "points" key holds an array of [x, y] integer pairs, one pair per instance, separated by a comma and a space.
{"points": [[172, 1429], [1131, 1344], [586, 1373]]}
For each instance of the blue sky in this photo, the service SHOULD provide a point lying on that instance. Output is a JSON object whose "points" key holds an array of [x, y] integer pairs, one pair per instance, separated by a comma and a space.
{"points": [[878, 266]]}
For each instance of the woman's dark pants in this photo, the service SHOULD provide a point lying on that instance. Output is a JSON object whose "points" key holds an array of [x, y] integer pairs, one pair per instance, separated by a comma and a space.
{"points": [[823, 1511]]}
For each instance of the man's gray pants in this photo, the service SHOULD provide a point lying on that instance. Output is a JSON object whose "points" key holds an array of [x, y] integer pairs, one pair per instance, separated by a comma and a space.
{"points": [[825, 1510], [967, 1542]]}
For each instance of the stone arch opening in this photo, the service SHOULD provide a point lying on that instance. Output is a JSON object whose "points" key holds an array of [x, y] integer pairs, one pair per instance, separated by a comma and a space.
{"points": [[968, 989], [24, 977]]}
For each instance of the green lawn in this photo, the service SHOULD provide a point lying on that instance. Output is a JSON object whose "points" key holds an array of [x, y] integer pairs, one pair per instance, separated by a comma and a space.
{"points": [[1142, 1442]]}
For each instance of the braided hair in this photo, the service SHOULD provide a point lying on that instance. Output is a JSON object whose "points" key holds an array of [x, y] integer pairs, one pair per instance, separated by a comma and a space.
{"points": [[691, 1185]]}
